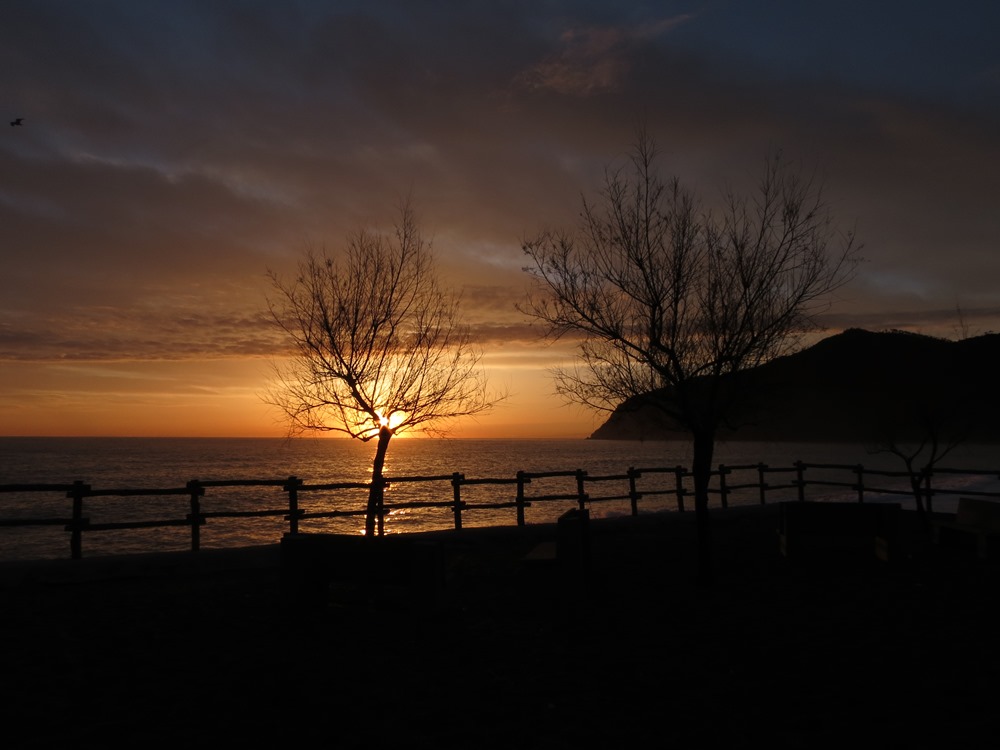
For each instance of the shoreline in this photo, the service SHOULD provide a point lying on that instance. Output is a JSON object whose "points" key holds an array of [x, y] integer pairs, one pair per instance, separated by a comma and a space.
{"points": [[268, 556], [671, 527]]}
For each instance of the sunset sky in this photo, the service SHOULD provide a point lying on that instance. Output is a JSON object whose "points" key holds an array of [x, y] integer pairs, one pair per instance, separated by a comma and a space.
{"points": [[172, 152]]}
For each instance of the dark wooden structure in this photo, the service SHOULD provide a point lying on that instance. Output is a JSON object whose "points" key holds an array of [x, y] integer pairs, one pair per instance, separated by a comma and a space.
{"points": [[303, 507], [822, 529], [976, 518]]}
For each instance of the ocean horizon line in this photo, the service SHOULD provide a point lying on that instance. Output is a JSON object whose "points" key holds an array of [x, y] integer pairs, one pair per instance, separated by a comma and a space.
{"points": [[315, 437]]}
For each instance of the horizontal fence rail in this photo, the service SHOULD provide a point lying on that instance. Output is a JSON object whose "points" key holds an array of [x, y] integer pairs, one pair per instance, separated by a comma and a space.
{"points": [[747, 483]]}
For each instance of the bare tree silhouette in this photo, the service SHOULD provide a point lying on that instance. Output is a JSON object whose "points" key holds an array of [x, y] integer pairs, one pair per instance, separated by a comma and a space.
{"points": [[671, 300], [928, 421], [379, 348], [920, 458]]}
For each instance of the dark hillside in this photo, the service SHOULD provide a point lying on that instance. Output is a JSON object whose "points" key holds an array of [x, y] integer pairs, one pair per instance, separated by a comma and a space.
{"points": [[855, 386]]}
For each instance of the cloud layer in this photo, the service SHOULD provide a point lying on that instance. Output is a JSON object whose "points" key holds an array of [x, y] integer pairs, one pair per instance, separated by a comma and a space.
{"points": [[173, 152]]}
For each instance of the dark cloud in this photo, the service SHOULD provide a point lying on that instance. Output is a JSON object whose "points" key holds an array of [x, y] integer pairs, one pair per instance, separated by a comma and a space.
{"points": [[97, 333]]}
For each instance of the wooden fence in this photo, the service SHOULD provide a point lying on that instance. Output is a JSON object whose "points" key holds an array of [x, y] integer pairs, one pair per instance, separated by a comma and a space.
{"points": [[758, 481]]}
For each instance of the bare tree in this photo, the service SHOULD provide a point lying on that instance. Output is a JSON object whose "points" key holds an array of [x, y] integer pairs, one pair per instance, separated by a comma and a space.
{"points": [[920, 458], [672, 300], [924, 426], [378, 346]]}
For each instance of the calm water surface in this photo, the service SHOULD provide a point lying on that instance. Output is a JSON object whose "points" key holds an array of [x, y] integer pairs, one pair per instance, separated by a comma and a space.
{"points": [[171, 462]]}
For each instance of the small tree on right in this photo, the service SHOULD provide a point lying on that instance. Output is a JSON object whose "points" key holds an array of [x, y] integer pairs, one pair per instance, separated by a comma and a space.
{"points": [[668, 301], [920, 456], [929, 418]]}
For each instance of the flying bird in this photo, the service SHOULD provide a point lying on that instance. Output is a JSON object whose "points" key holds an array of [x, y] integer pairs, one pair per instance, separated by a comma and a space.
{"points": [[18, 121]]}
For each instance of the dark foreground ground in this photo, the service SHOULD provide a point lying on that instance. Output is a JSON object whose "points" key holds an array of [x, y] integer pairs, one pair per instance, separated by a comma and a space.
{"points": [[504, 653]]}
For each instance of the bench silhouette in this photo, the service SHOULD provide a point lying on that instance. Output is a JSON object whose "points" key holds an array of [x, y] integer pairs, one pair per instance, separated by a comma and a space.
{"points": [[976, 517], [816, 529]]}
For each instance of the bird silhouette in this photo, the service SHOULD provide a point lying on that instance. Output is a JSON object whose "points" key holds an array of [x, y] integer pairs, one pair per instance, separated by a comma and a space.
{"points": [[18, 121]]}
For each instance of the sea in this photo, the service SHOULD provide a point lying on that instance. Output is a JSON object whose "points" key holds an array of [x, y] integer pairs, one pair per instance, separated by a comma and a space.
{"points": [[419, 470]]}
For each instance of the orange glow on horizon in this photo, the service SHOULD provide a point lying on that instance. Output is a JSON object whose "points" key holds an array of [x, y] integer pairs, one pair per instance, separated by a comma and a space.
{"points": [[223, 398]]}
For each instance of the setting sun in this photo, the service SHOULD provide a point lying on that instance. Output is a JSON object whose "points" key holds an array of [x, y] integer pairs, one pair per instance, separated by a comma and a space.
{"points": [[392, 421]]}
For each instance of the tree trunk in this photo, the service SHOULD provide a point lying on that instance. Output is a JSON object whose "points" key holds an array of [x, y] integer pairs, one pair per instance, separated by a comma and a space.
{"points": [[918, 495], [376, 491], [704, 448]]}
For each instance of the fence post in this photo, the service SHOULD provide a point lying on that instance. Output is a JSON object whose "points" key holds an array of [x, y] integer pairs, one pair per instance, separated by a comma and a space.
{"points": [[800, 470], [292, 488], [761, 484], [76, 529], [860, 471], [519, 501], [633, 496], [195, 491], [456, 492], [581, 490], [723, 492], [679, 487]]}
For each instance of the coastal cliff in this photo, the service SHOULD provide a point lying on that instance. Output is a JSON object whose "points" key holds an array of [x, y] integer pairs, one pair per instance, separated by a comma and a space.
{"points": [[857, 386]]}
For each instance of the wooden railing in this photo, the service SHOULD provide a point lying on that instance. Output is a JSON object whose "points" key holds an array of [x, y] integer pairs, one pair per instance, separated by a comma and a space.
{"points": [[625, 488]]}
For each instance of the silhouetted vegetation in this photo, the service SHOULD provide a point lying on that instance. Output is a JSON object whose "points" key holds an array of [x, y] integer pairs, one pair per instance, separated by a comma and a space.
{"points": [[667, 297], [379, 347]]}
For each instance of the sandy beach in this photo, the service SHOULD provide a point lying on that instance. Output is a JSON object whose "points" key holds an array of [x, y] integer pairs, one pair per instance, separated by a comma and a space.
{"points": [[508, 653]]}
